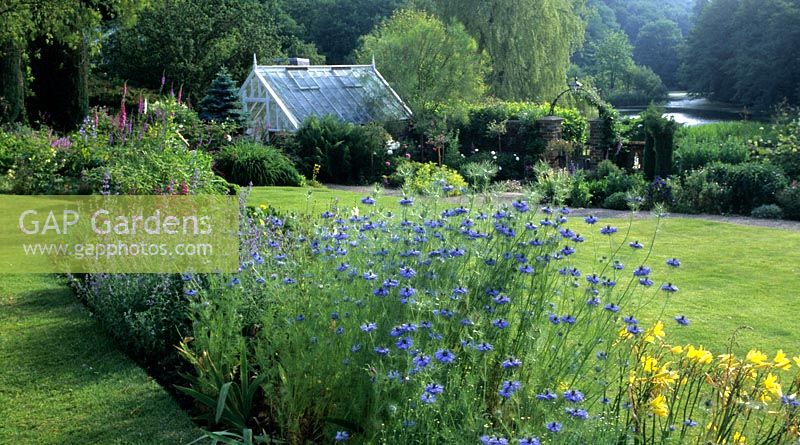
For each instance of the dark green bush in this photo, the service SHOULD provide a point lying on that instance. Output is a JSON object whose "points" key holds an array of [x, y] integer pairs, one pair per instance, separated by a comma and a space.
{"points": [[617, 201], [751, 184], [346, 153], [789, 200], [699, 193], [767, 211], [250, 162]]}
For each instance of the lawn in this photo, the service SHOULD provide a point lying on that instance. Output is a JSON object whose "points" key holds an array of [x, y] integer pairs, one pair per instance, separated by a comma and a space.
{"points": [[62, 381], [733, 278]]}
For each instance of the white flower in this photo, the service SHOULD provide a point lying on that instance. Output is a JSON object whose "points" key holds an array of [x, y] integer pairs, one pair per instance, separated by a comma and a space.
{"points": [[492, 152], [389, 152]]}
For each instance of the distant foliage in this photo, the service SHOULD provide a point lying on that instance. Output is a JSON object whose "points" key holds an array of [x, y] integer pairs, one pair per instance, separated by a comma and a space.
{"points": [[659, 143], [745, 51], [246, 163]]}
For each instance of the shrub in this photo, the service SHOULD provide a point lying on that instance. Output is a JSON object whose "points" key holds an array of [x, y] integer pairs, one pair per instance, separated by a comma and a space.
{"points": [[479, 174], [789, 200], [552, 185], [146, 314], [751, 184], [249, 162], [659, 143], [692, 154], [345, 152], [767, 211], [617, 201], [580, 194], [430, 179], [699, 193]]}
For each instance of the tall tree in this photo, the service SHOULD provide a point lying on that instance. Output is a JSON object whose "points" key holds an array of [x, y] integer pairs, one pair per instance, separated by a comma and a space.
{"points": [[611, 58], [63, 30], [425, 60], [658, 46], [529, 41], [746, 51], [335, 26], [189, 40]]}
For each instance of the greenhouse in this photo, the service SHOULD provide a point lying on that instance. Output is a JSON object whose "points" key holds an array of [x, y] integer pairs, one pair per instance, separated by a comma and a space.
{"points": [[278, 98]]}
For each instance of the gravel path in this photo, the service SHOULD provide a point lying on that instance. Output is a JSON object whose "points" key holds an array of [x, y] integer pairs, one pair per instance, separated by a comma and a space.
{"points": [[606, 213]]}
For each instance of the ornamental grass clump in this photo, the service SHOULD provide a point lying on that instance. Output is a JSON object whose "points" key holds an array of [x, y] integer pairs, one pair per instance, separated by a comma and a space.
{"points": [[447, 324]]}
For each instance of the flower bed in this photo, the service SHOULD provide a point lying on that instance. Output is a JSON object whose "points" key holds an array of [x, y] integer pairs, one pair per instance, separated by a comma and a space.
{"points": [[455, 325]]}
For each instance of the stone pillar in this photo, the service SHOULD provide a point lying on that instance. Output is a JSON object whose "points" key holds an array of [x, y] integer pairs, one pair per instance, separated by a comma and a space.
{"points": [[597, 150], [550, 128]]}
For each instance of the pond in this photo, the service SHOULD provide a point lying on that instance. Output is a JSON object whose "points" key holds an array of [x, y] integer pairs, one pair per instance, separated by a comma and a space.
{"points": [[694, 111]]}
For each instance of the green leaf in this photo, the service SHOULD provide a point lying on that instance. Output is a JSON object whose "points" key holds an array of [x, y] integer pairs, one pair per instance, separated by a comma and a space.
{"points": [[223, 396]]}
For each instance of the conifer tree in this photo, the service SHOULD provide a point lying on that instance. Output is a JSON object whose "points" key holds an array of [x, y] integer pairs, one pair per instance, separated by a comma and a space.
{"points": [[222, 102]]}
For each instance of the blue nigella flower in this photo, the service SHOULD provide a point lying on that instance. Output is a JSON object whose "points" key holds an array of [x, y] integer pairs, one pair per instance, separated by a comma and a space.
{"points": [[369, 276], [690, 423], [508, 388], [341, 436], [674, 262], [420, 361], [529, 441], [380, 350], [234, 281], [634, 329], [577, 413], [191, 292], [641, 271], [682, 320], [380, 292], [591, 219], [526, 269], [547, 396], [630, 320], [636, 245], [369, 200], [427, 398], [574, 396], [406, 201], [553, 427], [647, 282], [501, 300], [511, 363], [445, 356], [521, 206], [608, 230], [343, 267], [434, 388], [404, 343], [594, 279], [484, 347], [369, 327], [407, 272], [669, 287], [617, 265], [494, 440], [500, 323]]}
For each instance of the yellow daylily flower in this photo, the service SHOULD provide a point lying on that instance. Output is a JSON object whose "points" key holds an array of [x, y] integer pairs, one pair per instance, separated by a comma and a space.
{"points": [[699, 355], [771, 384], [649, 364], [659, 407], [739, 438], [656, 332], [676, 349], [757, 357], [781, 361]]}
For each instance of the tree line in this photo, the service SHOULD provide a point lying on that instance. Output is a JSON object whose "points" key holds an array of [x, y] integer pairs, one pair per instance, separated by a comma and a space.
{"points": [[58, 56]]}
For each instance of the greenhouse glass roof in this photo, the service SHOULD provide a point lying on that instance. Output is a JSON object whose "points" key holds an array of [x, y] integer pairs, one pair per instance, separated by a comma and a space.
{"points": [[353, 93]]}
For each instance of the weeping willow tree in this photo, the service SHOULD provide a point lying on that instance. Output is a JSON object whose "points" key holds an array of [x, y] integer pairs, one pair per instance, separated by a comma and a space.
{"points": [[529, 41]]}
